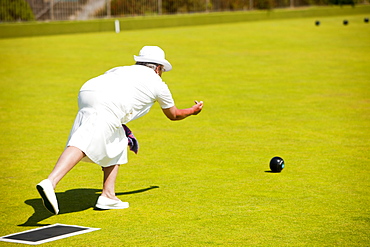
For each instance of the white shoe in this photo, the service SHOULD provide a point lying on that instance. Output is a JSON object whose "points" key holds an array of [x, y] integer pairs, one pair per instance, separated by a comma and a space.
{"points": [[106, 203], [46, 190]]}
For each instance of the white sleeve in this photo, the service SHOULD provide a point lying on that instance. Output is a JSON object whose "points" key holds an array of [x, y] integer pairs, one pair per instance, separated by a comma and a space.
{"points": [[164, 98]]}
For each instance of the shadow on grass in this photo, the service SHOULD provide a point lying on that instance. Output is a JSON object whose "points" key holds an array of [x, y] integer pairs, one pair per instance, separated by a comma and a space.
{"points": [[271, 172], [70, 201]]}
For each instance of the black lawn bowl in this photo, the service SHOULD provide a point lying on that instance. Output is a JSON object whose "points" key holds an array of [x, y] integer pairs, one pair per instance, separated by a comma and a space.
{"points": [[317, 23], [366, 20], [345, 22], [277, 164]]}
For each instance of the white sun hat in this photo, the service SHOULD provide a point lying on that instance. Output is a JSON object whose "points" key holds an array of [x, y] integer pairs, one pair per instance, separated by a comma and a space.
{"points": [[153, 54]]}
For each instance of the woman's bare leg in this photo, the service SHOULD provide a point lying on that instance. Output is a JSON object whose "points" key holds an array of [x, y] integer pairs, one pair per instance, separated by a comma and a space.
{"points": [[67, 160], [110, 175]]}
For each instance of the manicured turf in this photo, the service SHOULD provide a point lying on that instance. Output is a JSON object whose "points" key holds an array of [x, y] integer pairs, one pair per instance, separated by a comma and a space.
{"points": [[281, 87]]}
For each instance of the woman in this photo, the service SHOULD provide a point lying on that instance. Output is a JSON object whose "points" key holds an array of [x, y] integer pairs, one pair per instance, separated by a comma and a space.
{"points": [[106, 103]]}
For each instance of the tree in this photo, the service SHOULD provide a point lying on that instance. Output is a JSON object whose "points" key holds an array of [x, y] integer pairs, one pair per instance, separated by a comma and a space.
{"points": [[15, 10]]}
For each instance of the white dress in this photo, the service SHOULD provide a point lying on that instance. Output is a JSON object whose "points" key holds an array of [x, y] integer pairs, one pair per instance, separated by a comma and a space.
{"points": [[106, 102]]}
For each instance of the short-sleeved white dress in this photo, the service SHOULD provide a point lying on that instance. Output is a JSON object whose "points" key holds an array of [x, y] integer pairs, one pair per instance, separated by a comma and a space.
{"points": [[106, 102]]}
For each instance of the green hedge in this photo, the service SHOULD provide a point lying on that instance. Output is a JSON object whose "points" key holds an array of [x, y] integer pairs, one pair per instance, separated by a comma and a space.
{"points": [[15, 10], [132, 23]]}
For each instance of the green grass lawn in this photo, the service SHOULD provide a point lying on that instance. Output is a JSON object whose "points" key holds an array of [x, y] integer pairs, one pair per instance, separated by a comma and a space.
{"points": [[281, 87]]}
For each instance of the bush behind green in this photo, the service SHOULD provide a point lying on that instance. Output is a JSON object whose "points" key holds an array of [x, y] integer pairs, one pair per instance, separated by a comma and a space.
{"points": [[15, 10], [135, 23]]}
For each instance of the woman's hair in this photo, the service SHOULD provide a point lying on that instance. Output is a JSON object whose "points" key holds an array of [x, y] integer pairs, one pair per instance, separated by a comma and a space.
{"points": [[153, 66]]}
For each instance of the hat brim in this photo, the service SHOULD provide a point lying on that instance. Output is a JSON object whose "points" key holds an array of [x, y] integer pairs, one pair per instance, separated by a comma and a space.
{"points": [[164, 62]]}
